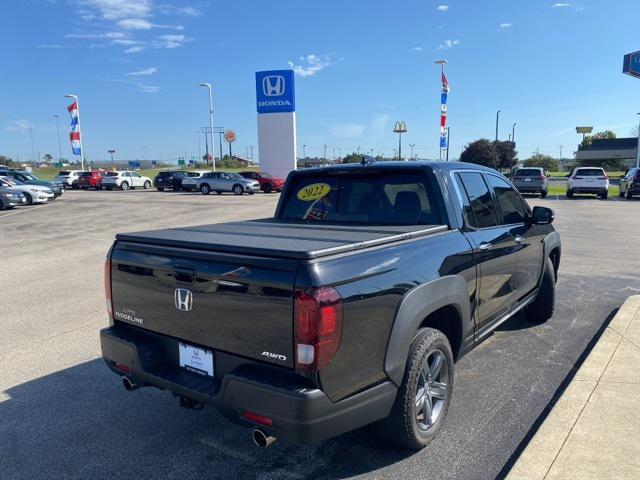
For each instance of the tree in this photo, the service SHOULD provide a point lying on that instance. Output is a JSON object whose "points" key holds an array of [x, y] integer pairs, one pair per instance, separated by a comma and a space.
{"points": [[48, 158], [586, 143], [549, 164], [507, 154], [353, 158], [481, 152]]}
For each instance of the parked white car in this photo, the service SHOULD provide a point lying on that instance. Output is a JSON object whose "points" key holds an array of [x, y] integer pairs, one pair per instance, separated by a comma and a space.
{"points": [[33, 193], [592, 180], [68, 178], [125, 180]]}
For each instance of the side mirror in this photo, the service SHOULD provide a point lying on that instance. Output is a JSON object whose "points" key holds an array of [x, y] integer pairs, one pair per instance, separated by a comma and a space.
{"points": [[542, 216]]}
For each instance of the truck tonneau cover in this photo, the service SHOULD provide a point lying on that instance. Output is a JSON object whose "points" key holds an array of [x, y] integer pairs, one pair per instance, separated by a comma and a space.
{"points": [[273, 238]]}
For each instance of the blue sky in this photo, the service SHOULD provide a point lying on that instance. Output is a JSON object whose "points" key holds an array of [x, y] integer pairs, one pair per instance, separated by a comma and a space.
{"points": [[361, 66]]}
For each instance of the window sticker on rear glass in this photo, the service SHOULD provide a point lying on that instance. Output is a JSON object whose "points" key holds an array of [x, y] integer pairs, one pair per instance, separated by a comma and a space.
{"points": [[312, 192]]}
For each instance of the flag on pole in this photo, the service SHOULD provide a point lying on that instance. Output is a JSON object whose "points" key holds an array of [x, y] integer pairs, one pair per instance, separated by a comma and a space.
{"points": [[74, 135], [443, 111]]}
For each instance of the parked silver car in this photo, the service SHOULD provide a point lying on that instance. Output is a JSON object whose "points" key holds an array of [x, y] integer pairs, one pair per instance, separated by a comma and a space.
{"points": [[221, 182], [531, 180]]}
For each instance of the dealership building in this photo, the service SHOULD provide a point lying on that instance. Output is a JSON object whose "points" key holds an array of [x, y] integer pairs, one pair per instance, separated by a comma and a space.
{"points": [[606, 150]]}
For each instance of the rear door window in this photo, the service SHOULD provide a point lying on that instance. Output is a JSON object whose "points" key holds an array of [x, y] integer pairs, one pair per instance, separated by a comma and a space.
{"points": [[589, 172], [482, 212], [511, 206]]}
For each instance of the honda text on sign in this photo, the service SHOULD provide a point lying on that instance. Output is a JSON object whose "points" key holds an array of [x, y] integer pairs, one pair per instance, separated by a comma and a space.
{"points": [[275, 91]]}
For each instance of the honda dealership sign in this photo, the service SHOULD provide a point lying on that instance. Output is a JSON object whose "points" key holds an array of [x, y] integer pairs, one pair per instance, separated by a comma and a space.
{"points": [[275, 91], [276, 102], [631, 64]]}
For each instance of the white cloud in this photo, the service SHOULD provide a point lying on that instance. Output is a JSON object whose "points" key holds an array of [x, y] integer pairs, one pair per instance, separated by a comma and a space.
{"points": [[19, 125], [136, 49], [109, 35], [560, 5], [51, 45], [311, 64], [142, 24], [418, 48], [118, 9], [505, 25], [347, 130], [447, 44], [442, 8], [148, 88], [182, 11], [171, 41], [144, 71]]}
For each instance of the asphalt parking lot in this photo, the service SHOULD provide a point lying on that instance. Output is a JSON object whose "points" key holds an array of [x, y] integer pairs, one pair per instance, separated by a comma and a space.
{"points": [[64, 415]]}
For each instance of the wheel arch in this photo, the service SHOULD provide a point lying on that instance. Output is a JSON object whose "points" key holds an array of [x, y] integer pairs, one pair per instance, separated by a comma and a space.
{"points": [[442, 304], [552, 250]]}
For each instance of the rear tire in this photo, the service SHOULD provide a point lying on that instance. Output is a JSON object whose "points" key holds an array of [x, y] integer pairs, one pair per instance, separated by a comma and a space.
{"points": [[543, 306], [147, 185], [124, 186], [604, 195], [569, 193], [620, 193], [237, 189], [426, 389], [205, 189], [160, 189], [628, 194]]}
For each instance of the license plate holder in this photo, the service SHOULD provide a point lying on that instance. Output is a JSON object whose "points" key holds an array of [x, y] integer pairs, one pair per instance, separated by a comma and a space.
{"points": [[196, 360]]}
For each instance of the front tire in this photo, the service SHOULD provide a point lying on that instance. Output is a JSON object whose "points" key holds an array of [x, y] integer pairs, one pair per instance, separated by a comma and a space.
{"points": [[267, 188], [237, 189], [543, 306], [425, 394], [29, 199]]}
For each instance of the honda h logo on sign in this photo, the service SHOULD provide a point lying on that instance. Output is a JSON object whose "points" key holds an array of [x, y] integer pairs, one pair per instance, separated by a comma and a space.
{"points": [[183, 299], [275, 91], [273, 85]]}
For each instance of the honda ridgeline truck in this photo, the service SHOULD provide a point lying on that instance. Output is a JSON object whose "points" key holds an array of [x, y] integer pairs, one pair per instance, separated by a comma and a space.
{"points": [[349, 307]]}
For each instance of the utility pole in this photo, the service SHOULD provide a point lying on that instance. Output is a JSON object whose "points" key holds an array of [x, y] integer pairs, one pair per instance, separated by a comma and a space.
{"points": [[497, 123], [334, 154], [513, 132], [560, 158], [638, 148], [59, 144], [412, 145], [33, 150], [304, 151], [251, 148], [324, 155]]}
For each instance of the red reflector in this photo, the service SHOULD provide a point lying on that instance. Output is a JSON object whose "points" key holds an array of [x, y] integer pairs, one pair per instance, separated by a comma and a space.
{"points": [[259, 419], [123, 368]]}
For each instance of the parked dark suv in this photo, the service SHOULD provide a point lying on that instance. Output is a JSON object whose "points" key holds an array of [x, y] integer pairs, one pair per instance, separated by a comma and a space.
{"points": [[630, 183], [170, 179], [531, 180]]}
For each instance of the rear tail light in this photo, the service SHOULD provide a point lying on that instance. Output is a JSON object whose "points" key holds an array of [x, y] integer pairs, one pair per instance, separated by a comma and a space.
{"points": [[107, 288], [318, 317]]}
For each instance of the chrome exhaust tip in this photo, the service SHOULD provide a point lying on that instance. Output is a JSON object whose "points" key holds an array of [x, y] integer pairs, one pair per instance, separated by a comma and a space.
{"points": [[261, 439], [129, 385]]}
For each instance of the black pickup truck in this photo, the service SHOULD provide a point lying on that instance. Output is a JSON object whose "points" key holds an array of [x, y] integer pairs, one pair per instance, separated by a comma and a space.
{"points": [[349, 307]]}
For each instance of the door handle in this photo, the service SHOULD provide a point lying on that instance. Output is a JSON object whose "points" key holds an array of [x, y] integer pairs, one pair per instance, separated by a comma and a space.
{"points": [[485, 246], [519, 239]]}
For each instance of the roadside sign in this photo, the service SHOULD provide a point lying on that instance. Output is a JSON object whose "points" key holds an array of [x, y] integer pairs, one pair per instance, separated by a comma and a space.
{"points": [[275, 91], [154, 162], [230, 136], [134, 164], [584, 129], [59, 165], [631, 64], [181, 162]]}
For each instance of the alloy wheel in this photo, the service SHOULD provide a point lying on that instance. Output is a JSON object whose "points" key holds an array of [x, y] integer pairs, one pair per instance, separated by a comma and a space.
{"points": [[432, 389]]}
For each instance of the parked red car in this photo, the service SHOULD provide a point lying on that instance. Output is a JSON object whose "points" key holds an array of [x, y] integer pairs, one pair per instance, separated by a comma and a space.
{"points": [[267, 183], [91, 179]]}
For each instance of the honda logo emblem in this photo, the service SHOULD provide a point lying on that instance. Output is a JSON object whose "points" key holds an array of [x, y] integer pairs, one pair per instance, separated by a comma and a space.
{"points": [[273, 86], [183, 299]]}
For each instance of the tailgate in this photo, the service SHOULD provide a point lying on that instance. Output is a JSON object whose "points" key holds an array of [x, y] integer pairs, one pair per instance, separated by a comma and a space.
{"points": [[234, 303]]}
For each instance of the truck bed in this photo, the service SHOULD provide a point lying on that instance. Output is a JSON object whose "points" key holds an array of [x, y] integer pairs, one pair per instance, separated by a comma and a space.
{"points": [[273, 238]]}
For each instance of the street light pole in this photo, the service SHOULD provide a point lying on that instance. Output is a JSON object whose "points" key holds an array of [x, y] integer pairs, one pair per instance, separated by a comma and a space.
{"points": [[77, 102], [497, 123], [213, 150], [33, 150], [513, 133], [59, 144], [411, 145]]}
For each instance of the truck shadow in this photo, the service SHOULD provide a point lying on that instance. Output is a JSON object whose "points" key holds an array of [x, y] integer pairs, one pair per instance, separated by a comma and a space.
{"points": [[81, 423]]}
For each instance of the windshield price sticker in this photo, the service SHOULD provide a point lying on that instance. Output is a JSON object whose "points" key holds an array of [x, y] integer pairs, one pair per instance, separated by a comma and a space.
{"points": [[312, 192]]}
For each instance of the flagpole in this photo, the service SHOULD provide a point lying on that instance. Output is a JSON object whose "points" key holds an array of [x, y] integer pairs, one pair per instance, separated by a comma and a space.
{"points": [[77, 102], [441, 63]]}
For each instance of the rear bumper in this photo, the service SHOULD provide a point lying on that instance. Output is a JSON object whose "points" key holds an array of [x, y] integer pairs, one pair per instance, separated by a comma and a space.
{"points": [[528, 188], [300, 414], [589, 189]]}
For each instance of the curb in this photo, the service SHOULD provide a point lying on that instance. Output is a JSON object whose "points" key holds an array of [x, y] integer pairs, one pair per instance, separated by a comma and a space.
{"points": [[558, 448]]}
